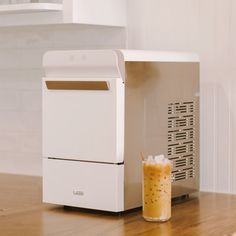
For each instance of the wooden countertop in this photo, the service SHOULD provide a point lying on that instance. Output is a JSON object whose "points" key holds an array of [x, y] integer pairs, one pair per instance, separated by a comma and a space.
{"points": [[22, 213]]}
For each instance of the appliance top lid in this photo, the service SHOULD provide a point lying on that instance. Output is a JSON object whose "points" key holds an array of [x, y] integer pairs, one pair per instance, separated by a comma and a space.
{"points": [[109, 57], [158, 56], [104, 63]]}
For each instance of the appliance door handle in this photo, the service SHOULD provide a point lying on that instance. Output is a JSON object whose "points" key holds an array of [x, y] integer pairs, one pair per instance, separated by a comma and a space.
{"points": [[77, 85]]}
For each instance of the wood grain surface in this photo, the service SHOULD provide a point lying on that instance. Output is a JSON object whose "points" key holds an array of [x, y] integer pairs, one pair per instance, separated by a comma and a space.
{"points": [[23, 213]]}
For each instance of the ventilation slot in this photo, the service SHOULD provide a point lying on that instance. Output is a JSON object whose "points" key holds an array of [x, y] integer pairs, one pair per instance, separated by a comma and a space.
{"points": [[177, 122], [183, 174], [177, 108], [179, 176], [180, 163], [176, 135], [181, 134]]}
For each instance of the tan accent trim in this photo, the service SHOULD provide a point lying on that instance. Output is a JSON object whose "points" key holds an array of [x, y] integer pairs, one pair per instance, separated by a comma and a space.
{"points": [[77, 85]]}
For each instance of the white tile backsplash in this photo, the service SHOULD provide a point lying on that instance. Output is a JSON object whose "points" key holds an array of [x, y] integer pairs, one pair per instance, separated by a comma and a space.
{"points": [[9, 58], [21, 79], [7, 40], [10, 100], [10, 121], [31, 121], [31, 100], [19, 1], [31, 142], [35, 39], [4, 2], [74, 37], [10, 142], [27, 142], [49, 1], [21, 51], [31, 58], [20, 163]]}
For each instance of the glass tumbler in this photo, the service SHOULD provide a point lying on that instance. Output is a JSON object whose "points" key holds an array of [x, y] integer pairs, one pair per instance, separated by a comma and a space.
{"points": [[157, 189]]}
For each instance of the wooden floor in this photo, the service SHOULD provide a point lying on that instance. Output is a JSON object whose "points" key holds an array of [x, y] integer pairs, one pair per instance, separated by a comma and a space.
{"points": [[22, 213]]}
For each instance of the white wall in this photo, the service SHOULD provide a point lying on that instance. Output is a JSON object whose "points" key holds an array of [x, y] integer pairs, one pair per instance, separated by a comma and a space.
{"points": [[207, 27], [21, 50]]}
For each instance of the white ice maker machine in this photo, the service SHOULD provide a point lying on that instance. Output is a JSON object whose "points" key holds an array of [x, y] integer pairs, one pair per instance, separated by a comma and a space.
{"points": [[101, 108]]}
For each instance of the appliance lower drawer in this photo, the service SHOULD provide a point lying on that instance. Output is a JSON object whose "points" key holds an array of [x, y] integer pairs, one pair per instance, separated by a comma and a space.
{"points": [[83, 184]]}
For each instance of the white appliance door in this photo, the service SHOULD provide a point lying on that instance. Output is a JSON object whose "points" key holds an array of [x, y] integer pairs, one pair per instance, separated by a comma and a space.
{"points": [[83, 119]]}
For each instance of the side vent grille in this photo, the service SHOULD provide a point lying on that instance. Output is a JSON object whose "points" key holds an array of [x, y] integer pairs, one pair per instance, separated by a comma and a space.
{"points": [[181, 134]]}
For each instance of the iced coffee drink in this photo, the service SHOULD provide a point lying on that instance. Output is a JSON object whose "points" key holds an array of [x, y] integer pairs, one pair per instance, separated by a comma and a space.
{"points": [[156, 188]]}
